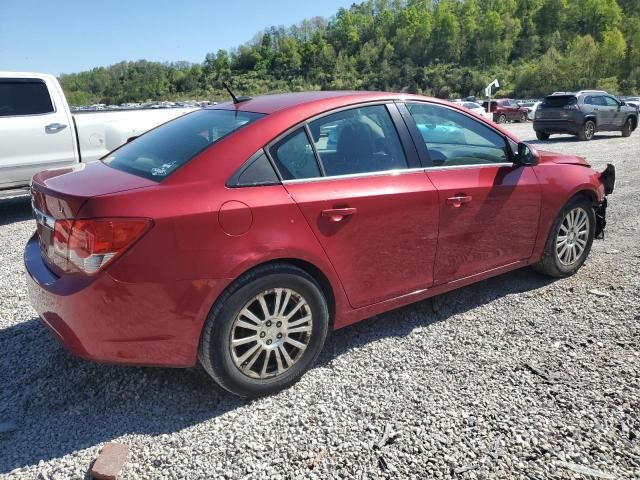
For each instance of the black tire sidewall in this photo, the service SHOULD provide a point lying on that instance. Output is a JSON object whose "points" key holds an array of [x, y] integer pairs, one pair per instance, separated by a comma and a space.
{"points": [[221, 363], [626, 128]]}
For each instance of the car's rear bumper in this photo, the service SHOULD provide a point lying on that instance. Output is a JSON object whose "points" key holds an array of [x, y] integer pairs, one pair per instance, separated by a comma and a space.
{"points": [[105, 320], [556, 126]]}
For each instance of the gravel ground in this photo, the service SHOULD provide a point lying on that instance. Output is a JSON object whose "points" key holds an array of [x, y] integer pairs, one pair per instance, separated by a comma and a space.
{"points": [[516, 377]]}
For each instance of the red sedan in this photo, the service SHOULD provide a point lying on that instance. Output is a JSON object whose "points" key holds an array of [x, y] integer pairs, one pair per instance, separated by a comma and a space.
{"points": [[239, 235]]}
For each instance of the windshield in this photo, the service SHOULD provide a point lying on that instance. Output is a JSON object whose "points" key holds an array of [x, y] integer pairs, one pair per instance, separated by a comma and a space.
{"points": [[160, 152]]}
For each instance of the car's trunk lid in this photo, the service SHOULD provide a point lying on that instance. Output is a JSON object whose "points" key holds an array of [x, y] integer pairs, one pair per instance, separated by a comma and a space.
{"points": [[57, 195]]}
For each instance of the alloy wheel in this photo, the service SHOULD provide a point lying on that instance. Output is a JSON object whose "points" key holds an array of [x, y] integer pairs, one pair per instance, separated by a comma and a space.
{"points": [[589, 130], [573, 236], [270, 333]]}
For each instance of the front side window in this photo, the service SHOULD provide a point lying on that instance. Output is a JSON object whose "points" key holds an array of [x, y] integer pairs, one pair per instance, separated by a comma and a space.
{"points": [[24, 97], [453, 138], [358, 140], [159, 152], [610, 102]]}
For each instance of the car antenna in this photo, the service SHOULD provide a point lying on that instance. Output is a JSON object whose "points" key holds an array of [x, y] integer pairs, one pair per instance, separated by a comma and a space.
{"points": [[236, 100]]}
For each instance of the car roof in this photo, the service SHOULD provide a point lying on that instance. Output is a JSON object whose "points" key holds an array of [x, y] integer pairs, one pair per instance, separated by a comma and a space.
{"points": [[314, 101]]}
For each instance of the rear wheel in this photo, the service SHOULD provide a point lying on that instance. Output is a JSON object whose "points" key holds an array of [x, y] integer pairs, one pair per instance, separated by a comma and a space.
{"points": [[627, 128], [502, 118], [265, 331], [588, 130], [570, 239], [542, 135]]}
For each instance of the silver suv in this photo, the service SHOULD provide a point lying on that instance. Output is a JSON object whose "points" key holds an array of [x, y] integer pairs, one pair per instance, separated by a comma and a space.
{"points": [[583, 114]]}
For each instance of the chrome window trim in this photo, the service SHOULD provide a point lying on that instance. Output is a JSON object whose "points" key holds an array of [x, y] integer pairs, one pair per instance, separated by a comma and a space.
{"points": [[397, 172], [472, 165]]}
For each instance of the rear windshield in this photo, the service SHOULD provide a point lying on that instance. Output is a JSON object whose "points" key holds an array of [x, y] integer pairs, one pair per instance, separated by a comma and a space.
{"points": [[554, 101], [158, 153]]}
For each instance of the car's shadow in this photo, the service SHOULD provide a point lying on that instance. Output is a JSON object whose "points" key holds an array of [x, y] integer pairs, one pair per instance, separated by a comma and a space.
{"points": [[16, 209], [568, 139], [54, 404]]}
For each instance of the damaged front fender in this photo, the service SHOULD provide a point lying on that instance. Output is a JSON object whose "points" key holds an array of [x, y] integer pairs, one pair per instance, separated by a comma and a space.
{"points": [[608, 180]]}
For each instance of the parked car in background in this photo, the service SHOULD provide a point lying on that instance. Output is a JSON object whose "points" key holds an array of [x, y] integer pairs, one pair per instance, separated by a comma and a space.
{"points": [[583, 114], [506, 110], [633, 101], [239, 235], [531, 106], [38, 130], [475, 108]]}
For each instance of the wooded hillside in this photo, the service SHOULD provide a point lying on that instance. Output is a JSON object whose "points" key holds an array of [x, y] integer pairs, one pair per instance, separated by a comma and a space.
{"points": [[442, 48]]}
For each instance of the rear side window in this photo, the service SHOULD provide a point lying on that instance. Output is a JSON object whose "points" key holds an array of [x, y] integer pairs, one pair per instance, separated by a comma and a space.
{"points": [[358, 140], [24, 97], [158, 153], [294, 157], [559, 101]]}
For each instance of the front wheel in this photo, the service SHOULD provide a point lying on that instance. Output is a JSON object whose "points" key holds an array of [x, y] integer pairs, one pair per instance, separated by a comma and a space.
{"points": [[542, 135], [570, 239], [627, 128], [523, 117], [588, 130], [265, 331]]}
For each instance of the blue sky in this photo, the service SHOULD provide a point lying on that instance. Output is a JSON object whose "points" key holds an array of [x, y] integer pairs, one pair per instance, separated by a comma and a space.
{"points": [[67, 36]]}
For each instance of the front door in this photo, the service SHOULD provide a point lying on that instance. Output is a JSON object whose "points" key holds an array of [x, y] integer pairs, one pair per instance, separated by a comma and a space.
{"points": [[489, 207], [617, 115], [34, 133], [376, 218]]}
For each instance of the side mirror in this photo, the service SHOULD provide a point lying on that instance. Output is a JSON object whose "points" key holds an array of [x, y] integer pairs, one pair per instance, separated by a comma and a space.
{"points": [[526, 156]]}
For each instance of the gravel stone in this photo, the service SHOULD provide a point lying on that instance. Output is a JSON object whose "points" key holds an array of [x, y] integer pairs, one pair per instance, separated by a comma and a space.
{"points": [[516, 377]]}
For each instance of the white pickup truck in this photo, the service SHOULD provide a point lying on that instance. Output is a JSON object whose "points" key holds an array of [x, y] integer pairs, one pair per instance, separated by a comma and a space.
{"points": [[38, 131]]}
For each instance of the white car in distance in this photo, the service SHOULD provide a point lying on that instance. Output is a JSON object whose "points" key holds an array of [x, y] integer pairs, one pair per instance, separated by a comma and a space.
{"points": [[475, 108]]}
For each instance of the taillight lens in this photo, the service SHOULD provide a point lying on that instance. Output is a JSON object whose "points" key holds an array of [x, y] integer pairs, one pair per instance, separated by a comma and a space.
{"points": [[571, 107], [88, 245]]}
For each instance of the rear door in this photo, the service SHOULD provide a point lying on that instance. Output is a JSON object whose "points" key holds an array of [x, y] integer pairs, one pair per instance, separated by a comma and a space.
{"points": [[35, 134], [489, 207], [357, 179]]}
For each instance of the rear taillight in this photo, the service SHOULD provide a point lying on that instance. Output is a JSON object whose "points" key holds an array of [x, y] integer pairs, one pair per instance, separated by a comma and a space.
{"points": [[571, 107], [88, 245]]}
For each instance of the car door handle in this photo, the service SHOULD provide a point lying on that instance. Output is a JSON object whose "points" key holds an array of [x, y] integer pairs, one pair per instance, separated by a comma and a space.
{"points": [[457, 201], [54, 127], [337, 214]]}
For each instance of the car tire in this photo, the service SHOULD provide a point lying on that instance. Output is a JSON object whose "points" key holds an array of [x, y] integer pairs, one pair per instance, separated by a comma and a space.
{"points": [[557, 258], [587, 131], [502, 118], [523, 118], [542, 135], [627, 128], [221, 351]]}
